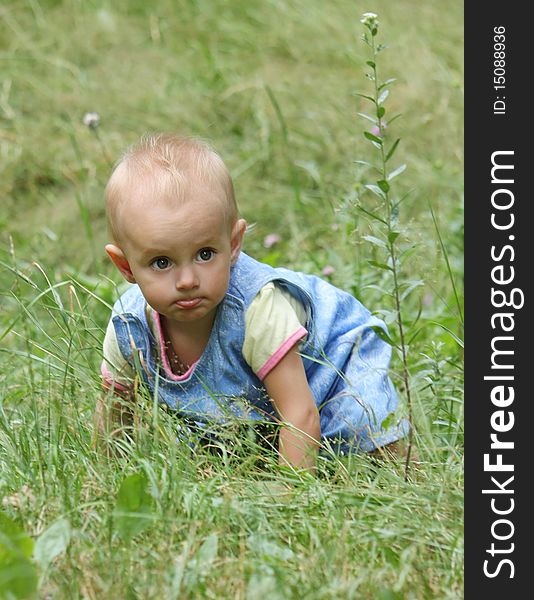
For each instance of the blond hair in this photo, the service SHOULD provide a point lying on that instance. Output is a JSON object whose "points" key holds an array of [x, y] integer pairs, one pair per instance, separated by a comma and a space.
{"points": [[164, 166]]}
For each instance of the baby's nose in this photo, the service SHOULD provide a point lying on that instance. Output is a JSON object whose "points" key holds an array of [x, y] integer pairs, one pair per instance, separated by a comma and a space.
{"points": [[187, 278]]}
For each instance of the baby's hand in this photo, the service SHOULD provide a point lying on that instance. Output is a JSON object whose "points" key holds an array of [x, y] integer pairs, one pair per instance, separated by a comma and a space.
{"points": [[395, 451], [113, 422]]}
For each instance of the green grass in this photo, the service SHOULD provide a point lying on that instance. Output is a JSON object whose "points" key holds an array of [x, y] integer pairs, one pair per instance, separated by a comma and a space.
{"points": [[272, 85]]}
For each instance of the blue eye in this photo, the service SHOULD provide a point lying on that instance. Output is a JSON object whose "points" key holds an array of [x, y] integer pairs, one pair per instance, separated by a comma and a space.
{"points": [[205, 255], [161, 263]]}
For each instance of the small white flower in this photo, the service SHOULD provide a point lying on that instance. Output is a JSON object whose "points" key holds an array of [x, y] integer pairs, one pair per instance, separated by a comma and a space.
{"points": [[368, 16], [91, 120], [370, 20]]}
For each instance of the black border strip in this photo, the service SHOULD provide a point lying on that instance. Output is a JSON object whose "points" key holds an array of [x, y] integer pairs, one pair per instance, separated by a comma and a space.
{"points": [[498, 348]]}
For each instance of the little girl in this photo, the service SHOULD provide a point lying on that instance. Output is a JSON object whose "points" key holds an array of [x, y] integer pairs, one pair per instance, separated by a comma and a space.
{"points": [[218, 335]]}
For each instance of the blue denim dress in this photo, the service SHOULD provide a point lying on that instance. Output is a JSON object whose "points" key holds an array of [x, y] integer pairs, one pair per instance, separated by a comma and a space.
{"points": [[346, 362]]}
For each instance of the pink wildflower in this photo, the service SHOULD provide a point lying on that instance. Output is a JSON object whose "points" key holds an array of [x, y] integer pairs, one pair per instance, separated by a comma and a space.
{"points": [[376, 129], [328, 270], [428, 299], [271, 240]]}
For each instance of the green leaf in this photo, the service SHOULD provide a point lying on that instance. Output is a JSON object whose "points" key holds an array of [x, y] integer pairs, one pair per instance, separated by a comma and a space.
{"points": [[383, 185], [369, 118], [376, 190], [392, 149], [379, 265], [451, 333], [394, 118], [278, 112], [388, 316], [133, 509], [14, 537], [375, 241], [387, 422], [387, 82], [18, 576], [52, 542], [371, 214], [396, 172], [372, 137], [414, 336], [449, 270], [392, 236], [310, 167], [411, 286], [363, 162], [383, 96], [371, 64], [366, 97], [383, 335], [381, 111]]}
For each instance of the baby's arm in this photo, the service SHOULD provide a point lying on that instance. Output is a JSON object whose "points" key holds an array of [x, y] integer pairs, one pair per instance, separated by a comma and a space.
{"points": [[288, 387], [113, 417], [114, 411]]}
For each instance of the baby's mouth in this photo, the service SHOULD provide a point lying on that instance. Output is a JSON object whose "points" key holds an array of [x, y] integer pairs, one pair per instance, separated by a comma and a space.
{"points": [[188, 303]]}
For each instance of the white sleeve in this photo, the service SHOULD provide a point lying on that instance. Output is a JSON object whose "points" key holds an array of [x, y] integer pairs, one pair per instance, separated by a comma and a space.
{"points": [[274, 323]]}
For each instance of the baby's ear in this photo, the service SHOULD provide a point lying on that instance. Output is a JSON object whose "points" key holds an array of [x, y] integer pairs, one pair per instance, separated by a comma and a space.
{"points": [[118, 258], [238, 231]]}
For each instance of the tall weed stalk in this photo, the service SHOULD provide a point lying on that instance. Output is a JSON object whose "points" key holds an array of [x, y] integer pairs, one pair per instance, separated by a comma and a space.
{"points": [[386, 218]]}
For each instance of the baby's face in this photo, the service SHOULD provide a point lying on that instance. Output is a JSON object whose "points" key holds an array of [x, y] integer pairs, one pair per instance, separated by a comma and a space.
{"points": [[181, 256]]}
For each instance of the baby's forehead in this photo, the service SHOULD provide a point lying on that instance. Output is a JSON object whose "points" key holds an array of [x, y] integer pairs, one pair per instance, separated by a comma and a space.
{"points": [[192, 201], [132, 190], [165, 224]]}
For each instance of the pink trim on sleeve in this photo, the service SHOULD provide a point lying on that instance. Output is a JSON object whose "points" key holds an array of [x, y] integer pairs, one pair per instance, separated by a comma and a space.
{"points": [[107, 376], [275, 358], [164, 359]]}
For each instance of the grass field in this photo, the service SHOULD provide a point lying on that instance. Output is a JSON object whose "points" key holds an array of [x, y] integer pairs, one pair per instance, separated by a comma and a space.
{"points": [[273, 85]]}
